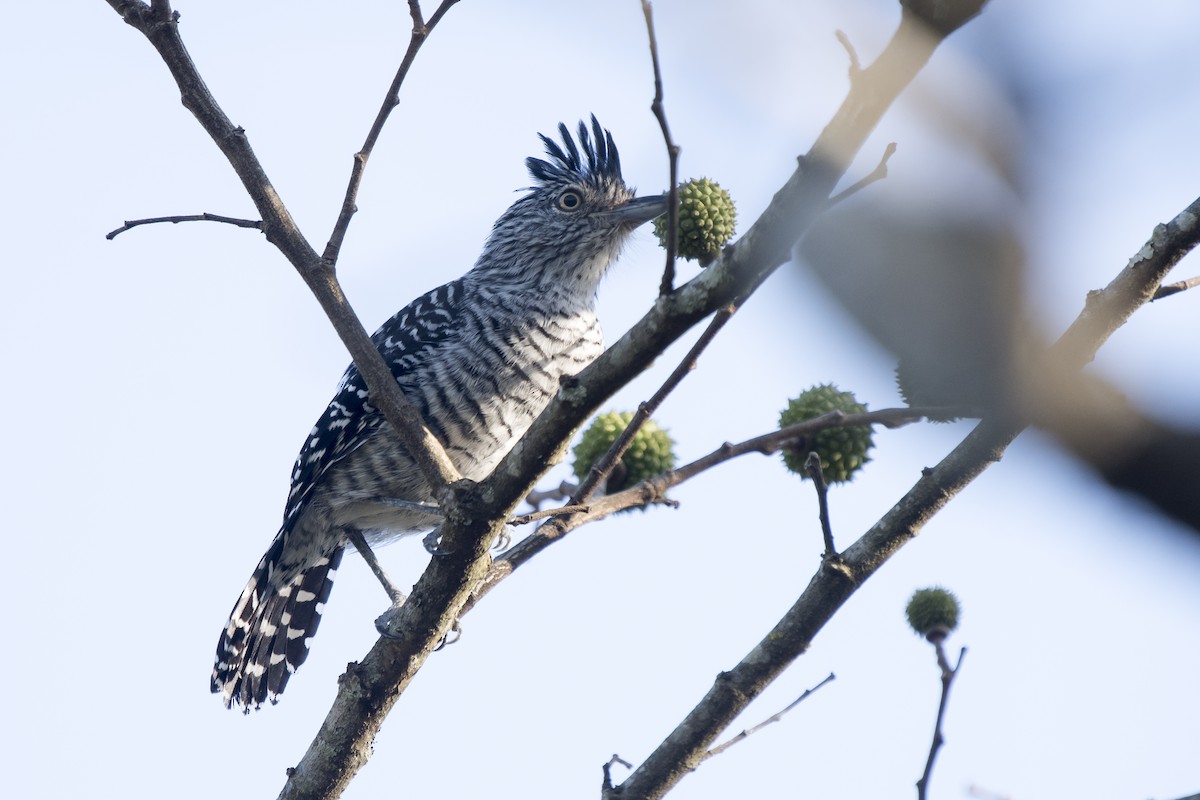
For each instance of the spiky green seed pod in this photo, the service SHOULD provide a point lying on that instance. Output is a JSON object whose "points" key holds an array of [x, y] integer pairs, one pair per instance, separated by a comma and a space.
{"points": [[706, 220], [651, 452], [933, 613], [843, 451]]}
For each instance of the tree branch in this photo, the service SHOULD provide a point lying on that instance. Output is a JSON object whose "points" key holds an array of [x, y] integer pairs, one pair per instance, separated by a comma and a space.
{"points": [[654, 489], [159, 24], [420, 33], [837, 579], [741, 737], [948, 674], [1177, 287], [812, 465], [205, 217], [600, 471], [1107, 310], [660, 114], [879, 173], [1094, 421]]}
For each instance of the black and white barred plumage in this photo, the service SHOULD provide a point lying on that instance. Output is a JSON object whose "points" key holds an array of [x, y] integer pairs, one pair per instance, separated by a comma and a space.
{"points": [[480, 357]]}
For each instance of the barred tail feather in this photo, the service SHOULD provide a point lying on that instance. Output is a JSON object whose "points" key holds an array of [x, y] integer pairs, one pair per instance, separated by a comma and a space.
{"points": [[266, 638]]}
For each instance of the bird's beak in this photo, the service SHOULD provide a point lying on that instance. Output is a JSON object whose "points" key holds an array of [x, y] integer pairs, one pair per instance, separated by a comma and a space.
{"points": [[641, 209]]}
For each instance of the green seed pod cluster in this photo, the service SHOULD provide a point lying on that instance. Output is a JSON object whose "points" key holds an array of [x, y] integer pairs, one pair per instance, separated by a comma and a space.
{"points": [[706, 220], [843, 451], [933, 612], [651, 452]]}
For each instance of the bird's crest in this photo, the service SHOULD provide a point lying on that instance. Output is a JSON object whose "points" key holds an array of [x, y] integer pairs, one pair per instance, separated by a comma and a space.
{"points": [[594, 160]]}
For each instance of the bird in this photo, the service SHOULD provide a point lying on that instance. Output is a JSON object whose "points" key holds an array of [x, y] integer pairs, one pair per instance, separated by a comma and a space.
{"points": [[480, 357]]}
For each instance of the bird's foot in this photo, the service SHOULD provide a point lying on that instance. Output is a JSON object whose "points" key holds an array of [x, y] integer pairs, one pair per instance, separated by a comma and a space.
{"points": [[504, 539], [433, 544], [452, 636], [388, 623]]}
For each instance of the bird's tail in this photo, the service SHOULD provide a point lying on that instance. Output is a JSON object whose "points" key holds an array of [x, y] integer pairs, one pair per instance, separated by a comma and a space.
{"points": [[266, 638]]}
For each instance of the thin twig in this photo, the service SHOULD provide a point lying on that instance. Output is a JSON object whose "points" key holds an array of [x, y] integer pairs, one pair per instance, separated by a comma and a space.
{"points": [[773, 718], [660, 113], [420, 32], [812, 465], [205, 217], [948, 674], [1175, 288], [773, 442], [605, 465], [879, 173], [616, 759], [653, 490], [561, 511], [855, 65]]}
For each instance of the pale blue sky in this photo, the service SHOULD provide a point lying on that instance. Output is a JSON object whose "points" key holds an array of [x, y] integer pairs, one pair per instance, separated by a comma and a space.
{"points": [[160, 384]]}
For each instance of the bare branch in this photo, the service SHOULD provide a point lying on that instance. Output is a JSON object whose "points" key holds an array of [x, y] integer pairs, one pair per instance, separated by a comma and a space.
{"points": [[205, 217], [1176, 288], [851, 53], [879, 173], [616, 759], [653, 490], [420, 33], [561, 511], [603, 468], [812, 465], [767, 444], [660, 113], [159, 24], [773, 442], [837, 580], [769, 720], [939, 739], [1108, 309], [1158, 461]]}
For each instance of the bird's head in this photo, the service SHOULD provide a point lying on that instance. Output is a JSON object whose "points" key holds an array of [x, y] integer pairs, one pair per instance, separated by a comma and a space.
{"points": [[572, 223]]}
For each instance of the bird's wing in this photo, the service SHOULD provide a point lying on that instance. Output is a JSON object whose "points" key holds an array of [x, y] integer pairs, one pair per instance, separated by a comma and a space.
{"points": [[350, 419]]}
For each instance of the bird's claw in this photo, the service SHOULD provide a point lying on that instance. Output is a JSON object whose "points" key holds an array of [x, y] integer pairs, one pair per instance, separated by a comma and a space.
{"points": [[504, 539], [452, 636], [388, 623], [433, 544]]}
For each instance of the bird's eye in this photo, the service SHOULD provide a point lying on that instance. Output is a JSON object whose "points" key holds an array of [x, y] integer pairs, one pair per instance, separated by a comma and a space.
{"points": [[570, 200]]}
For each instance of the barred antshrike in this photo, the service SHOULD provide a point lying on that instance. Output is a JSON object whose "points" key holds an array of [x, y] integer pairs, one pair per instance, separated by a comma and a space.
{"points": [[480, 357]]}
